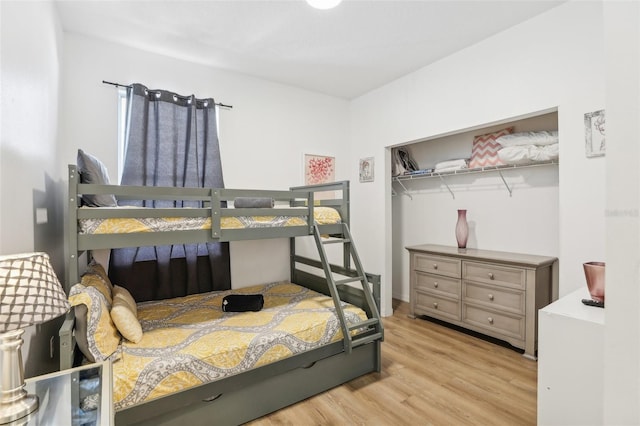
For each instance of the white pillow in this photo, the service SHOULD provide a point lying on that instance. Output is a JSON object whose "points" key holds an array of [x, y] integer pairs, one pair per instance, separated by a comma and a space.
{"points": [[124, 314], [123, 294], [125, 320], [544, 137], [529, 153]]}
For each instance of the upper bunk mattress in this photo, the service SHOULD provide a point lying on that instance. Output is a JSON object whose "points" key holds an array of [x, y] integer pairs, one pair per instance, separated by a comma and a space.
{"points": [[189, 340], [322, 215]]}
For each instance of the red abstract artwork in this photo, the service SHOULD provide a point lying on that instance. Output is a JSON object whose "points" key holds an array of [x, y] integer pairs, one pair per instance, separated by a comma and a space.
{"points": [[318, 169]]}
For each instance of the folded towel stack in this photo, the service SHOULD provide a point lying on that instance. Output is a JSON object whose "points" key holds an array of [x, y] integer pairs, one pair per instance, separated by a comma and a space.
{"points": [[253, 202], [451, 165]]}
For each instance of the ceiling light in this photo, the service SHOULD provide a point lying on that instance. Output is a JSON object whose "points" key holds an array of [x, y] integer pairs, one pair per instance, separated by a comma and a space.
{"points": [[324, 4]]}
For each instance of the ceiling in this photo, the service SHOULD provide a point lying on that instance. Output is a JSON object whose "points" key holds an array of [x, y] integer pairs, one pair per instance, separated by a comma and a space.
{"points": [[344, 52]]}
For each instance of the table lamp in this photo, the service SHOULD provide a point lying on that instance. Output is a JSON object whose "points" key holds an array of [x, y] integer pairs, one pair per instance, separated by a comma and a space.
{"points": [[30, 294]]}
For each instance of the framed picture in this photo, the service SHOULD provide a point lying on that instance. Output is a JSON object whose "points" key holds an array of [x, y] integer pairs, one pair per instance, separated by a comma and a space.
{"points": [[319, 169], [594, 133], [366, 169]]}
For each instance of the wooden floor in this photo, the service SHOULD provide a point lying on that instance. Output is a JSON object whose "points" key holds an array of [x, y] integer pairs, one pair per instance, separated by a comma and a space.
{"points": [[431, 375]]}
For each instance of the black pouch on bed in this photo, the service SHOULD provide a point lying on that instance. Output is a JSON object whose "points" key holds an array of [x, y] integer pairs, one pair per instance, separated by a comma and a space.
{"points": [[242, 302]]}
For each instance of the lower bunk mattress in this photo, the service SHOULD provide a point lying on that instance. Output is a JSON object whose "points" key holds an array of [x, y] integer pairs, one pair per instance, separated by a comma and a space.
{"points": [[189, 340], [322, 216]]}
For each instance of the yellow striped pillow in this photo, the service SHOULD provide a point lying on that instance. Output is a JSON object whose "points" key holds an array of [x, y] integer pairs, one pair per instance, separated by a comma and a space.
{"points": [[93, 280]]}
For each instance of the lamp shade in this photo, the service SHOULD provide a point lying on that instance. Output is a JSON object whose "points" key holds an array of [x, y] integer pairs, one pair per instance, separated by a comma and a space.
{"points": [[30, 292]]}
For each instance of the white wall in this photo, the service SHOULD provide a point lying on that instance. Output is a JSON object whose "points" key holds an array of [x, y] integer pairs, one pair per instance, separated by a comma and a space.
{"points": [[29, 166], [553, 60], [262, 139], [622, 327]]}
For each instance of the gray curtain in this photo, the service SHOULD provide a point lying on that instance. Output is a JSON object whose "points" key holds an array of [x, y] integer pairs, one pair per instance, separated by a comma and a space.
{"points": [[171, 140]]}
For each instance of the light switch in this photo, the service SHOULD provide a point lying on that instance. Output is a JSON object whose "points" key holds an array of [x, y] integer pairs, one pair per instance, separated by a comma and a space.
{"points": [[41, 216]]}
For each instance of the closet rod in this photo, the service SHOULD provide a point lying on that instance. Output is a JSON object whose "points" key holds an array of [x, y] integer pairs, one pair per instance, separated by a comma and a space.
{"points": [[129, 87]]}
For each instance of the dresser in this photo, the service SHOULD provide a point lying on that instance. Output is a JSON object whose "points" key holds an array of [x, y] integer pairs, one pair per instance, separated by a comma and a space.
{"points": [[490, 292]]}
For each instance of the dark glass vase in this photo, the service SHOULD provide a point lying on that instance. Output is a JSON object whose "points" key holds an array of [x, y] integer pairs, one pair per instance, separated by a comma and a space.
{"points": [[462, 229]]}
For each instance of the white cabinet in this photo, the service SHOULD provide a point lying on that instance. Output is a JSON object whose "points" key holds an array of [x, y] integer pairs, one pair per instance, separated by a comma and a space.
{"points": [[81, 395], [571, 362]]}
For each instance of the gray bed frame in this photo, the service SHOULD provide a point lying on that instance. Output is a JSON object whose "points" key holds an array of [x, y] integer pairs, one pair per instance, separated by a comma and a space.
{"points": [[254, 393]]}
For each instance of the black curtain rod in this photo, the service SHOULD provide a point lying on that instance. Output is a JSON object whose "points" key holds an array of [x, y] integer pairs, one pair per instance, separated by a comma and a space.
{"points": [[129, 87]]}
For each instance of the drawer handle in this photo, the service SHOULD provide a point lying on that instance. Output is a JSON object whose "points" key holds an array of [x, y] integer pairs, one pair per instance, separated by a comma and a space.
{"points": [[490, 275], [490, 320], [491, 297], [435, 305], [212, 398], [435, 284], [435, 266]]}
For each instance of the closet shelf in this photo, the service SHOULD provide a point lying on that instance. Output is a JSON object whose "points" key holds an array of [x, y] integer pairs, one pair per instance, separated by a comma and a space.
{"points": [[443, 175]]}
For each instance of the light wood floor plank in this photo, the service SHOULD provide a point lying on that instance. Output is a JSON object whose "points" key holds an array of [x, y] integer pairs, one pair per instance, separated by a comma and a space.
{"points": [[431, 375]]}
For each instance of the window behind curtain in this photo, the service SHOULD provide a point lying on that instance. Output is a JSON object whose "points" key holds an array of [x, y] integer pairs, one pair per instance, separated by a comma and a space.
{"points": [[122, 120], [152, 122]]}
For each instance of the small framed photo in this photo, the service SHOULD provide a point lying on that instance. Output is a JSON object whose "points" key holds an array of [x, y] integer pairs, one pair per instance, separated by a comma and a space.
{"points": [[366, 169], [594, 133]]}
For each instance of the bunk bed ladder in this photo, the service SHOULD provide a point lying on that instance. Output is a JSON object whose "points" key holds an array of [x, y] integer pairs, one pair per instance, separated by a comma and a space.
{"points": [[365, 331]]}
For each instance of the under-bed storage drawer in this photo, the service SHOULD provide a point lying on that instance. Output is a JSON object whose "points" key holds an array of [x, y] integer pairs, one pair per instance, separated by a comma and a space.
{"points": [[249, 395], [437, 265]]}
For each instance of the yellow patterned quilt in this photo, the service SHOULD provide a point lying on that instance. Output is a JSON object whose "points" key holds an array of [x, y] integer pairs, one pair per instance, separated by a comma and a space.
{"points": [[189, 340], [322, 215]]}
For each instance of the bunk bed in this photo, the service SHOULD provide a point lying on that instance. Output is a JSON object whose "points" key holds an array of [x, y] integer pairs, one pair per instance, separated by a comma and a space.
{"points": [[354, 350]]}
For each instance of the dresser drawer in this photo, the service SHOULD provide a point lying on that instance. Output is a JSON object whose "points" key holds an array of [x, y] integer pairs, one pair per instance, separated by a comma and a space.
{"points": [[494, 274], [440, 307], [498, 323], [438, 284], [449, 267], [494, 297]]}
